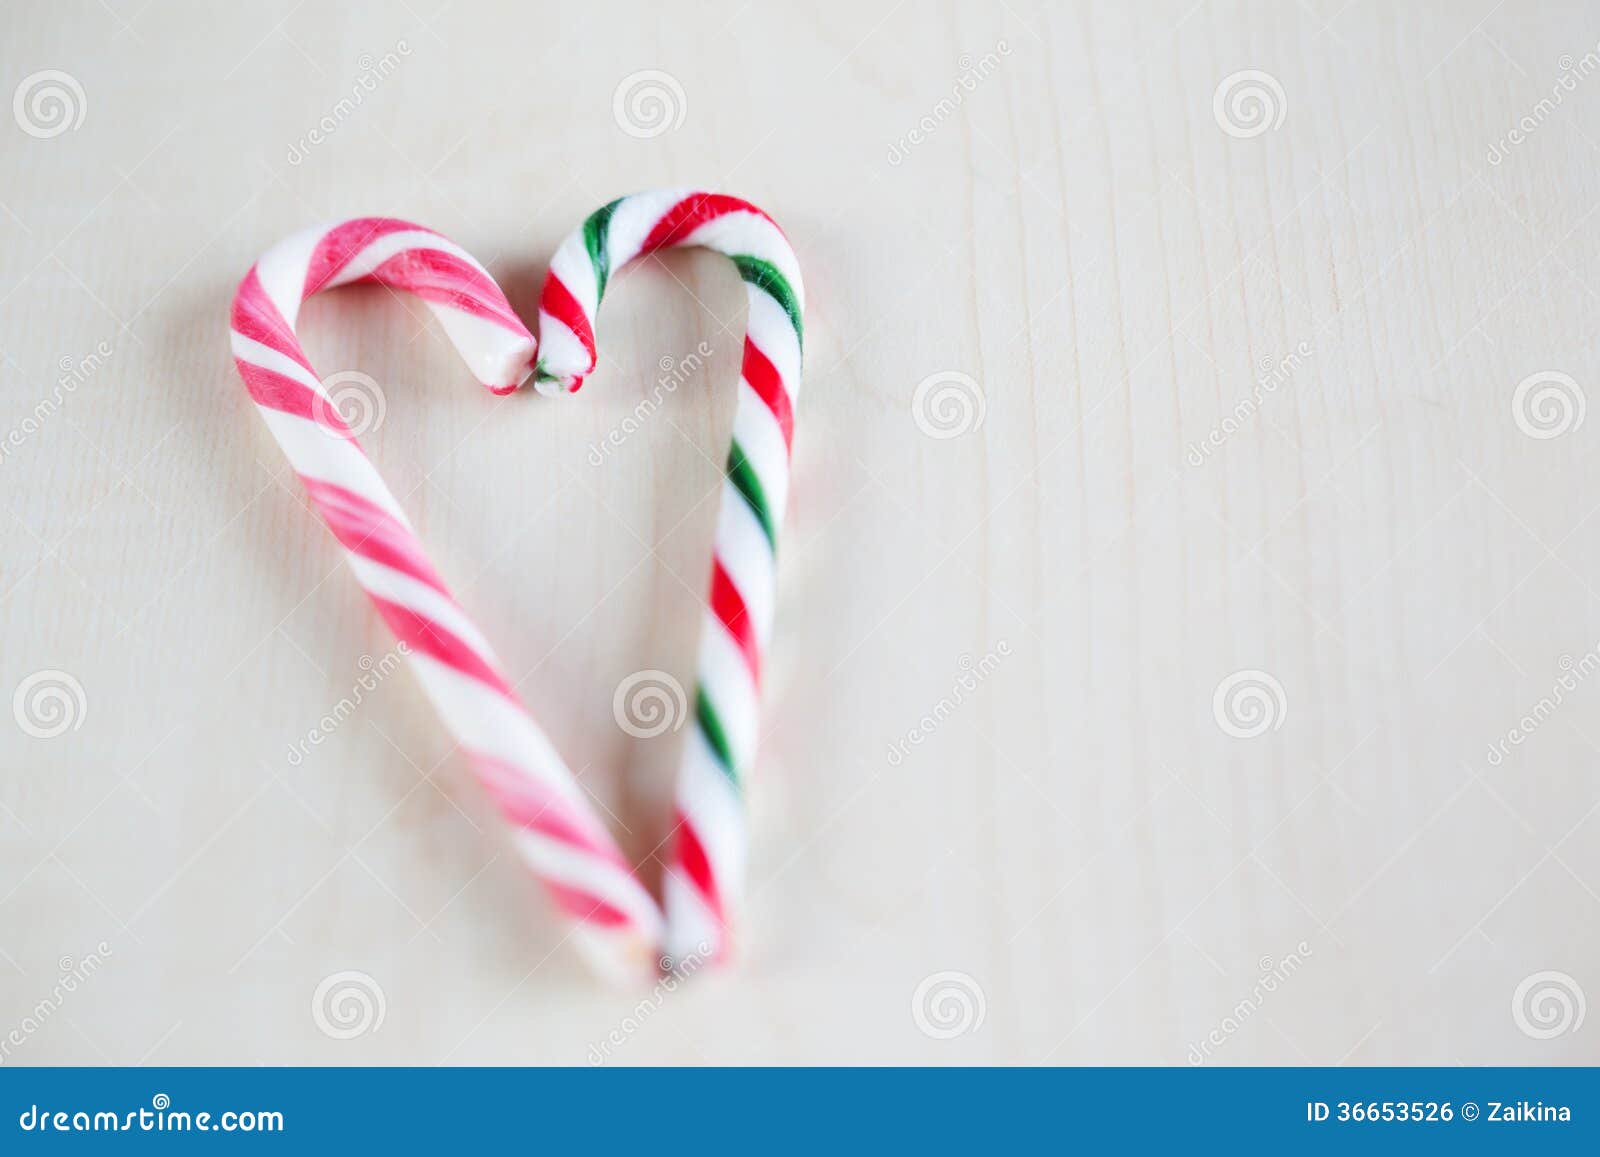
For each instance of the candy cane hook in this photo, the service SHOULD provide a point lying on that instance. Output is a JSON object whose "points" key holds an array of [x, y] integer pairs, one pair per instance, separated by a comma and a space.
{"points": [[557, 833], [704, 879]]}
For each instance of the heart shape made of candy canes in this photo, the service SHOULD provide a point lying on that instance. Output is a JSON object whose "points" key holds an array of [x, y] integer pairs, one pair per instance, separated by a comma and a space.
{"points": [[617, 922]]}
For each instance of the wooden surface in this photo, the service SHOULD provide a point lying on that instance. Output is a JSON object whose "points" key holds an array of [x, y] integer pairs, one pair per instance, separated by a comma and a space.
{"points": [[1073, 229]]}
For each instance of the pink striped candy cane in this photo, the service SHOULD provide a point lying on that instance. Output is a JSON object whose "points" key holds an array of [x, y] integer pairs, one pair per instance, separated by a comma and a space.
{"points": [[704, 879], [618, 923]]}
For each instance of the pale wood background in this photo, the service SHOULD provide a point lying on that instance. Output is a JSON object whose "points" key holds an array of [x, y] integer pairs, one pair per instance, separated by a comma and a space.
{"points": [[1083, 240]]}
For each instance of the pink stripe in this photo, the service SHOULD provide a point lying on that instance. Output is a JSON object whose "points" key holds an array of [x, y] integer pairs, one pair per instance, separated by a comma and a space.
{"points": [[584, 907], [275, 391], [372, 532], [438, 643], [340, 245], [255, 317], [444, 279], [528, 803]]}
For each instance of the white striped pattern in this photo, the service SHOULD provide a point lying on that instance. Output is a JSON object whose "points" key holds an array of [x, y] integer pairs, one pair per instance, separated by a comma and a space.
{"points": [[705, 877], [559, 836]]}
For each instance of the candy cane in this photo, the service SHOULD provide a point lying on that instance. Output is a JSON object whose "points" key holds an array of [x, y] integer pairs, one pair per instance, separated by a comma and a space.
{"points": [[557, 832], [703, 880]]}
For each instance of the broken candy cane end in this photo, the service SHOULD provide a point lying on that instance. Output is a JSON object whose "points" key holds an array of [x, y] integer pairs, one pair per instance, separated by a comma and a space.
{"points": [[554, 385]]}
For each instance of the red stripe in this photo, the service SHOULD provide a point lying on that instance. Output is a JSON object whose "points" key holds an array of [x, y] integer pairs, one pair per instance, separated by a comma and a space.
{"points": [[559, 303], [255, 317], [728, 605], [582, 906], [277, 392], [339, 246], [435, 641], [768, 384], [529, 804], [697, 866], [691, 213], [444, 279], [372, 532]]}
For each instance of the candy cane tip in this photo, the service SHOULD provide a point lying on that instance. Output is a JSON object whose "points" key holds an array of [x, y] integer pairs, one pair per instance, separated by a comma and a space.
{"points": [[622, 960], [516, 384], [554, 386]]}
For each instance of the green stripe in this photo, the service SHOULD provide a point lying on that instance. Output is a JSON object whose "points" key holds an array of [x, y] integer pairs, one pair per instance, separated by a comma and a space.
{"points": [[594, 240], [711, 726], [744, 480], [765, 275]]}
